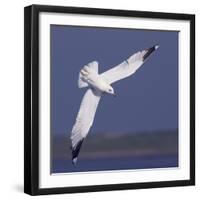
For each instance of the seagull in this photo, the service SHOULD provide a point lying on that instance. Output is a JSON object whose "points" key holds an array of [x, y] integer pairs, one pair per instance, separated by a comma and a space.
{"points": [[99, 84]]}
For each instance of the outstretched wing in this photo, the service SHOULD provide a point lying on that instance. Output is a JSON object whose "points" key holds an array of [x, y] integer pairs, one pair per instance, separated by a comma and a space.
{"points": [[128, 67], [84, 120]]}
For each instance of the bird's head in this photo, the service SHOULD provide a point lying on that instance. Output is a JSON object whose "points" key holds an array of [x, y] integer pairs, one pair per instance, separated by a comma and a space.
{"points": [[111, 91]]}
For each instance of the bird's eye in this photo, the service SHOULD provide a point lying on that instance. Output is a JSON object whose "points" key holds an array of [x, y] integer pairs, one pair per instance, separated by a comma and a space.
{"points": [[110, 90]]}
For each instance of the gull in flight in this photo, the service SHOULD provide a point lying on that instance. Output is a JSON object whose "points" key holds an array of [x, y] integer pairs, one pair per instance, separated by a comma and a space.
{"points": [[99, 84]]}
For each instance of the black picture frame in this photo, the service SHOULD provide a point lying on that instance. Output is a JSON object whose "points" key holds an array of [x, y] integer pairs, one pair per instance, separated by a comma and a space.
{"points": [[31, 98]]}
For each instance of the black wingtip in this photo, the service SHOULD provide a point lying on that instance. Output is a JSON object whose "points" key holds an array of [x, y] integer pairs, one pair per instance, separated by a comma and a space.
{"points": [[74, 160], [150, 51], [75, 152]]}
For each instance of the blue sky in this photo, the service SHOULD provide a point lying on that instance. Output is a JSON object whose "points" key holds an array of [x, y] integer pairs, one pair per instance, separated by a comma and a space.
{"points": [[146, 101]]}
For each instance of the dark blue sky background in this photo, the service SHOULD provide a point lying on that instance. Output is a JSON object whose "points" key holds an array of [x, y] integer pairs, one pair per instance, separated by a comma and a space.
{"points": [[146, 101]]}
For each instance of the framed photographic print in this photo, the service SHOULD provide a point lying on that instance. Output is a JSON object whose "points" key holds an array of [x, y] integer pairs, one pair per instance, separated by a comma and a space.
{"points": [[109, 100]]}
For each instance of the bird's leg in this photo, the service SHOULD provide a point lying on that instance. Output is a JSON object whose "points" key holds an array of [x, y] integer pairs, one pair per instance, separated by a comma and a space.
{"points": [[84, 72]]}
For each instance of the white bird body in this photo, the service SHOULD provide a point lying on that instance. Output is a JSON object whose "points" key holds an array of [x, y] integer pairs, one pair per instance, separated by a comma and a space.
{"points": [[99, 84], [93, 79]]}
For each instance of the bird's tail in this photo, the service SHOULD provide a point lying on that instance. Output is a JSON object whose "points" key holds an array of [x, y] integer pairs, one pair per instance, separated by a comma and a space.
{"points": [[75, 151], [81, 79], [91, 67]]}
